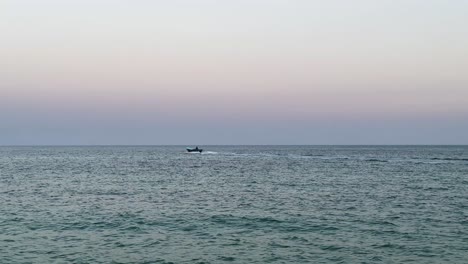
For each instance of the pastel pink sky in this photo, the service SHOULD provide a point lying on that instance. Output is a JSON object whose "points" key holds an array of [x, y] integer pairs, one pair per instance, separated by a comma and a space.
{"points": [[239, 72]]}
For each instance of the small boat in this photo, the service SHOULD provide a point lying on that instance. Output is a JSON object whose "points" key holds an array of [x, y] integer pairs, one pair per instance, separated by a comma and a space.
{"points": [[195, 150]]}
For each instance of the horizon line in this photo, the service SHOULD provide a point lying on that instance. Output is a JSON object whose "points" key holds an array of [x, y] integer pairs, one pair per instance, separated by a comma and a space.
{"points": [[184, 145]]}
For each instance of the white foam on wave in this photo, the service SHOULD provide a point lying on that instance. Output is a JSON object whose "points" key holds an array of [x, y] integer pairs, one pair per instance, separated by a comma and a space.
{"points": [[209, 152]]}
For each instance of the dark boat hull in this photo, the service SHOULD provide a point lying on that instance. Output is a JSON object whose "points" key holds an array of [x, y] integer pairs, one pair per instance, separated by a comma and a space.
{"points": [[195, 150]]}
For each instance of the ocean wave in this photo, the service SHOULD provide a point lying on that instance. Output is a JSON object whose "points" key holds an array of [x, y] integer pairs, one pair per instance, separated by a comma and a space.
{"points": [[451, 159], [376, 160]]}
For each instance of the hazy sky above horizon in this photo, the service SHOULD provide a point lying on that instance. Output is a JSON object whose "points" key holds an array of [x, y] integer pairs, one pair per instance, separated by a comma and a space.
{"points": [[233, 72]]}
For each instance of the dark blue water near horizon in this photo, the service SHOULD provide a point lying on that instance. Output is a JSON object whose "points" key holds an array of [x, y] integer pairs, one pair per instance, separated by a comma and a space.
{"points": [[236, 204]]}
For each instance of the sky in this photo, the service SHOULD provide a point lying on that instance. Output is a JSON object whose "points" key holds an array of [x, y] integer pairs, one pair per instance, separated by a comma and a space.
{"points": [[195, 72]]}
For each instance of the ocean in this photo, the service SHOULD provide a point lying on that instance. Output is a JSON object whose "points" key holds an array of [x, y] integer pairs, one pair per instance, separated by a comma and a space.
{"points": [[237, 204]]}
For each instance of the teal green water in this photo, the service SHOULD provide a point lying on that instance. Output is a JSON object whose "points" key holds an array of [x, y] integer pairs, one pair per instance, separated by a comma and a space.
{"points": [[238, 204]]}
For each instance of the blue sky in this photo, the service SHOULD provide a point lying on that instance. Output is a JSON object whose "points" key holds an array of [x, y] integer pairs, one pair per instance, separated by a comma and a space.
{"points": [[233, 72]]}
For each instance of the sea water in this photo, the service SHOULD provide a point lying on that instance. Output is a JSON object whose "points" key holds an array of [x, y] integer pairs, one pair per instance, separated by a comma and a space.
{"points": [[238, 204]]}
